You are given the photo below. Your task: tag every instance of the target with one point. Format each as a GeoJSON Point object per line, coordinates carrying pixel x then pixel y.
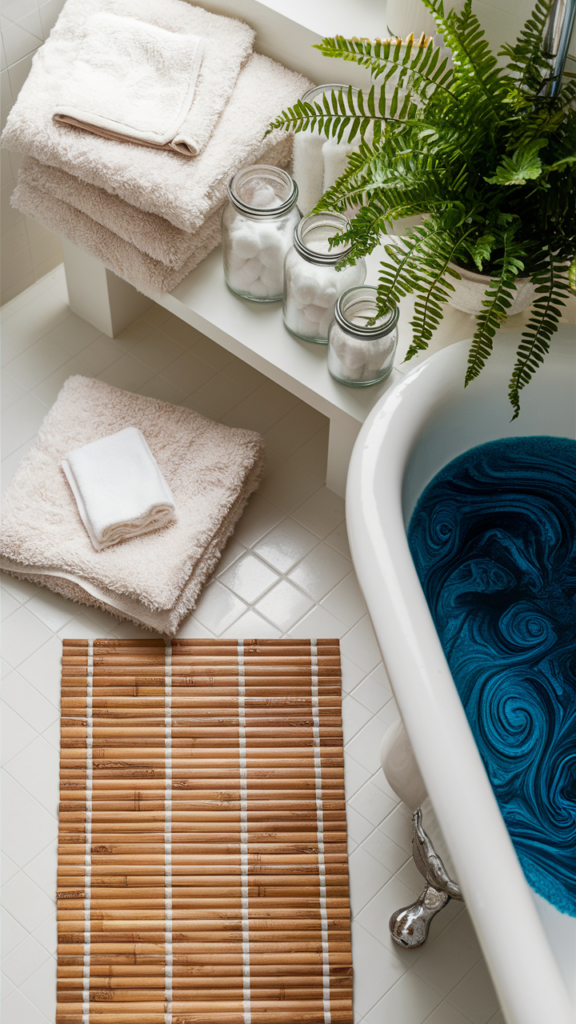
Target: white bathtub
{"type": "Point", "coordinates": [419, 425]}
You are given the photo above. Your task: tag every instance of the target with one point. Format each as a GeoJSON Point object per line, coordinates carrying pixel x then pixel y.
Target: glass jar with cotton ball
{"type": "Point", "coordinates": [312, 282]}
{"type": "Point", "coordinates": [257, 230]}
{"type": "Point", "coordinates": [361, 341]}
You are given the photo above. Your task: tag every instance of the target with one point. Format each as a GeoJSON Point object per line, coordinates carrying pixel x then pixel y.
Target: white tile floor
{"type": "Point", "coordinates": [287, 570]}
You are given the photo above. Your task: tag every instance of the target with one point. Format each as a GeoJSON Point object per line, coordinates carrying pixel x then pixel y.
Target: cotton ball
{"type": "Point", "coordinates": [244, 240]}
{"type": "Point", "coordinates": [234, 262]}
{"type": "Point", "coordinates": [259, 290]}
{"type": "Point", "coordinates": [329, 296]}
{"type": "Point", "coordinates": [272, 256]}
{"type": "Point", "coordinates": [306, 327]}
{"type": "Point", "coordinates": [243, 278]}
{"type": "Point", "coordinates": [325, 322]}
{"type": "Point", "coordinates": [264, 197]}
{"type": "Point", "coordinates": [314, 313]}
{"type": "Point", "coordinates": [305, 285]}
{"type": "Point", "coordinates": [268, 235]}
{"type": "Point", "coordinates": [252, 270]}
{"type": "Point", "coordinates": [297, 321]}
{"type": "Point", "coordinates": [273, 279]}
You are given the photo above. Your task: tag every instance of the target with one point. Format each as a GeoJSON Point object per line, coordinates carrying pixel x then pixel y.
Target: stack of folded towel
{"type": "Point", "coordinates": [135, 115]}
{"type": "Point", "coordinates": [192, 478]}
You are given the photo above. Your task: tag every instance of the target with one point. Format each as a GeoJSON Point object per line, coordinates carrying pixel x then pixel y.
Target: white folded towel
{"type": "Point", "coordinates": [118, 487]}
{"type": "Point", "coordinates": [133, 82]}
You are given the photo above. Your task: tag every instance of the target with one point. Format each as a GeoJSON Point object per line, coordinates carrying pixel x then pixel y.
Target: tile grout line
{"type": "Point", "coordinates": [168, 948]}
{"type": "Point", "coordinates": [244, 833]}
{"type": "Point", "coordinates": [88, 829]}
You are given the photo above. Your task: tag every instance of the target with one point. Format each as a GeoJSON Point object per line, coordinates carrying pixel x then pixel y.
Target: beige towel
{"type": "Point", "coordinates": [149, 276]}
{"type": "Point", "coordinates": [156, 579]}
{"type": "Point", "coordinates": [185, 192]}
{"type": "Point", "coordinates": [133, 82]}
{"type": "Point", "coordinates": [151, 236]}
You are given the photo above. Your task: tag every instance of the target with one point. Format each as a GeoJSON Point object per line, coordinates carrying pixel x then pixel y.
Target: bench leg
{"type": "Point", "coordinates": [341, 440]}
{"type": "Point", "coordinates": [98, 295]}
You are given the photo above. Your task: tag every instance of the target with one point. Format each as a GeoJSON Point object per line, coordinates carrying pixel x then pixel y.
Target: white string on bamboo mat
{"type": "Point", "coordinates": [244, 832]}
{"type": "Point", "coordinates": [88, 833]}
{"type": "Point", "coordinates": [320, 832]}
{"type": "Point", "coordinates": [168, 949]}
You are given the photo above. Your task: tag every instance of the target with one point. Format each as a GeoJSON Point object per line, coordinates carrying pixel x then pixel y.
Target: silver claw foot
{"type": "Point", "coordinates": [409, 926]}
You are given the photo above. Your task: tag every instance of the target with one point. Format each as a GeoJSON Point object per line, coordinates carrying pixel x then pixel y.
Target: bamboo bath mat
{"type": "Point", "coordinates": [202, 868]}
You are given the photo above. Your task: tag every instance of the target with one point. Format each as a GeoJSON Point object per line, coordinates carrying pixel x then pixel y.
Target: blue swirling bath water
{"type": "Point", "coordinates": [493, 538]}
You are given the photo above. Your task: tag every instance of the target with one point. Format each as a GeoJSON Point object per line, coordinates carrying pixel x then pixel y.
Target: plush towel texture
{"type": "Point", "coordinates": [227, 44]}
{"type": "Point", "coordinates": [146, 250]}
{"type": "Point", "coordinates": [156, 579]}
{"type": "Point", "coordinates": [118, 487]}
{"type": "Point", "coordinates": [185, 192]}
{"type": "Point", "coordinates": [133, 81]}
{"type": "Point", "coordinates": [149, 276]}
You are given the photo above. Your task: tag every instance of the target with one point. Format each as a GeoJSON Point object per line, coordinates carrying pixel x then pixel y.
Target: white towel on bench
{"type": "Point", "coordinates": [133, 82]}
{"type": "Point", "coordinates": [118, 487]}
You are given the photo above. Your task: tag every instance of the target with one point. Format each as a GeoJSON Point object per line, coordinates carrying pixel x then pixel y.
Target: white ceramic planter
{"type": "Point", "coordinates": [470, 291]}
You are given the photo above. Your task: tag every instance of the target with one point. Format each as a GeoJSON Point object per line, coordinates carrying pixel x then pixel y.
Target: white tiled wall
{"type": "Point", "coordinates": [27, 250]}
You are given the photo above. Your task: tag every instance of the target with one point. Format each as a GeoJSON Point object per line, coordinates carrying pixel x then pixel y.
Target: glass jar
{"type": "Point", "coordinates": [257, 229]}
{"type": "Point", "coordinates": [360, 353]}
{"type": "Point", "coordinates": [319, 161]}
{"type": "Point", "coordinates": [311, 281]}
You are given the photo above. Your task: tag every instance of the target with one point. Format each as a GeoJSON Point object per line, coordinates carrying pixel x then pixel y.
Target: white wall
{"type": "Point", "coordinates": [27, 250]}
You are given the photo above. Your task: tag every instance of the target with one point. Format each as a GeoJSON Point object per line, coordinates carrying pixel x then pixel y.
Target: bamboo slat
{"type": "Point", "coordinates": [202, 865]}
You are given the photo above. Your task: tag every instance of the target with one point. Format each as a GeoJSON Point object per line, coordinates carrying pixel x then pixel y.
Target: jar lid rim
{"type": "Point", "coordinates": [375, 330]}
{"type": "Point", "coordinates": [321, 259]}
{"type": "Point", "coordinates": [266, 211]}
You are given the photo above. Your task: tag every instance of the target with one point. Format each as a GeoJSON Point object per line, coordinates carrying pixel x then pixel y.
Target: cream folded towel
{"type": "Point", "coordinates": [185, 192]}
{"type": "Point", "coordinates": [119, 489]}
{"type": "Point", "coordinates": [146, 249]}
{"type": "Point", "coordinates": [133, 82]}
{"type": "Point", "coordinates": [156, 579]}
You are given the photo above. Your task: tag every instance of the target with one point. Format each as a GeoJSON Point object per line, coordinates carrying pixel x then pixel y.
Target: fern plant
{"type": "Point", "coordinates": [474, 147]}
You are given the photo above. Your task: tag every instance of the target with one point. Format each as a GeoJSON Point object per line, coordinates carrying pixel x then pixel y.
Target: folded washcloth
{"type": "Point", "coordinates": [119, 489]}
{"type": "Point", "coordinates": [156, 579]}
{"type": "Point", "coordinates": [133, 82]}
{"type": "Point", "coordinates": [185, 192]}
{"type": "Point", "coordinates": [227, 45]}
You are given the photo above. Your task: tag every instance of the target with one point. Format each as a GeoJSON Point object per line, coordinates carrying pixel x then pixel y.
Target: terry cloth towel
{"type": "Point", "coordinates": [151, 253]}
{"type": "Point", "coordinates": [119, 489]}
{"type": "Point", "coordinates": [156, 579]}
{"type": "Point", "coordinates": [185, 192]}
{"type": "Point", "coordinates": [133, 82]}
{"type": "Point", "coordinates": [144, 249]}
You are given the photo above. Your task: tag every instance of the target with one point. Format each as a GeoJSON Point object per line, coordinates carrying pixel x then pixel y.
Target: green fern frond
{"type": "Point", "coordinates": [522, 166]}
{"type": "Point", "coordinates": [495, 306]}
{"type": "Point", "coordinates": [552, 286]}
{"type": "Point", "coordinates": [421, 66]}
{"type": "Point", "coordinates": [525, 56]}
{"type": "Point", "coordinates": [438, 250]}
{"type": "Point", "coordinates": [474, 63]}
{"type": "Point", "coordinates": [337, 110]}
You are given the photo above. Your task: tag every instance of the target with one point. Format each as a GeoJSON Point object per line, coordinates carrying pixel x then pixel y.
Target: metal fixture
{"type": "Point", "coordinates": [409, 926]}
{"type": "Point", "coordinates": [555, 43]}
